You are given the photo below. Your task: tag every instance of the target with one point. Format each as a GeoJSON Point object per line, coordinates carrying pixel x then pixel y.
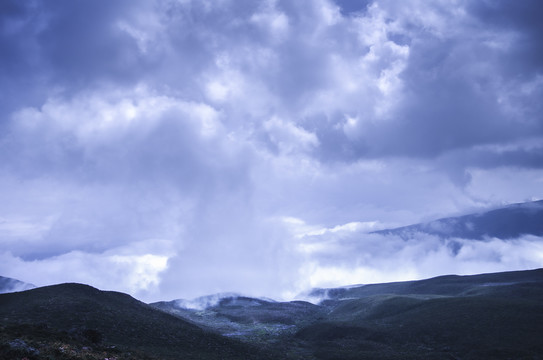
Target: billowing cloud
{"type": "Point", "coordinates": [355, 257]}
{"type": "Point", "coordinates": [115, 269]}
{"type": "Point", "coordinates": [211, 146]}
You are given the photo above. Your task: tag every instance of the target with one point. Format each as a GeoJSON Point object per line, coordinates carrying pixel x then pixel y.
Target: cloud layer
{"type": "Point", "coordinates": [178, 148]}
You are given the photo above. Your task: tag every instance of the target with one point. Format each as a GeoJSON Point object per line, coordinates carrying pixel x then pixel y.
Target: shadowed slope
{"type": "Point", "coordinates": [448, 285]}
{"type": "Point", "coordinates": [245, 317]}
{"type": "Point", "coordinates": [498, 316]}
{"type": "Point", "coordinates": [80, 312]}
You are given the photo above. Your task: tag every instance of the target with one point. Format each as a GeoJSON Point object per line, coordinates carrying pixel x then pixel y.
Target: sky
{"type": "Point", "coordinates": [176, 148]}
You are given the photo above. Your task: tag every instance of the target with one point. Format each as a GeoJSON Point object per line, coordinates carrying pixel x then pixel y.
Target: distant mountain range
{"type": "Point", "coordinates": [11, 285]}
{"type": "Point", "coordinates": [508, 222]}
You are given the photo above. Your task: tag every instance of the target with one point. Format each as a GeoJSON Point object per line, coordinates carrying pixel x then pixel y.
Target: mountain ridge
{"type": "Point", "coordinates": [79, 313]}
{"type": "Point", "coordinates": [492, 315]}
{"type": "Point", "coordinates": [8, 285]}
{"type": "Point", "coordinates": [455, 285]}
{"type": "Point", "coordinates": [495, 315]}
{"type": "Point", "coordinates": [507, 222]}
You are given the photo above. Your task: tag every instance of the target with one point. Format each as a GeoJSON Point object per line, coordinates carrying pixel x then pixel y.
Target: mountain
{"type": "Point", "coordinates": [75, 321]}
{"type": "Point", "coordinates": [508, 222]}
{"type": "Point", "coordinates": [8, 285]}
{"type": "Point", "coordinates": [498, 316]}
{"type": "Point", "coordinates": [486, 316]}
{"type": "Point", "coordinates": [448, 285]}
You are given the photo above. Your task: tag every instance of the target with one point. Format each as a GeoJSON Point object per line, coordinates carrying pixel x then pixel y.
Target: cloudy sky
{"type": "Point", "coordinates": [176, 148]}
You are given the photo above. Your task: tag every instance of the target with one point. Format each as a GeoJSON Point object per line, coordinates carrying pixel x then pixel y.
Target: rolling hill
{"type": "Point", "coordinates": [494, 316]}
{"type": "Point", "coordinates": [498, 316]}
{"type": "Point", "coordinates": [246, 318]}
{"type": "Point", "coordinates": [74, 321]}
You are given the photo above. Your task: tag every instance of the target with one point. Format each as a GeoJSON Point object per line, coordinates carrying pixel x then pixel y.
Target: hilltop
{"type": "Point", "coordinates": [498, 316]}
{"type": "Point", "coordinates": [75, 321]}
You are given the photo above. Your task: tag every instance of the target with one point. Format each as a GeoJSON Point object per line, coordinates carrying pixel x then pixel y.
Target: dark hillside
{"type": "Point", "coordinates": [250, 319]}
{"type": "Point", "coordinates": [488, 316]}
{"type": "Point", "coordinates": [478, 327]}
{"type": "Point", "coordinates": [449, 285]}
{"type": "Point", "coordinates": [86, 317]}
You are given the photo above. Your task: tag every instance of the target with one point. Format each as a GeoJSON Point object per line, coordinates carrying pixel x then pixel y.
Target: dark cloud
{"type": "Point", "coordinates": [82, 42]}
{"type": "Point", "coordinates": [459, 88]}
{"type": "Point", "coordinates": [192, 146]}
{"type": "Point", "coordinates": [530, 157]}
{"type": "Point", "coordinates": [442, 114]}
{"type": "Point", "coordinates": [523, 20]}
{"type": "Point", "coordinates": [352, 7]}
{"type": "Point", "coordinates": [20, 64]}
{"type": "Point", "coordinates": [14, 21]}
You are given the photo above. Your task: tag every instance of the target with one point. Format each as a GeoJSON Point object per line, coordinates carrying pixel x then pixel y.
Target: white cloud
{"type": "Point", "coordinates": [365, 259]}
{"type": "Point", "coordinates": [262, 140]}
{"type": "Point", "coordinates": [276, 22]}
{"type": "Point", "coordinates": [490, 184]}
{"type": "Point", "coordinates": [288, 137]}
{"type": "Point", "coordinates": [110, 116]}
{"type": "Point", "coordinates": [16, 228]}
{"type": "Point", "coordinates": [137, 274]}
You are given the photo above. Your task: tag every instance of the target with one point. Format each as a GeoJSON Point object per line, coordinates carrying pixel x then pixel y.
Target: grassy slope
{"type": "Point", "coordinates": [448, 285]}
{"type": "Point", "coordinates": [270, 325]}
{"type": "Point", "coordinates": [77, 314]}
{"type": "Point", "coordinates": [498, 316]}
{"type": "Point", "coordinates": [230, 313]}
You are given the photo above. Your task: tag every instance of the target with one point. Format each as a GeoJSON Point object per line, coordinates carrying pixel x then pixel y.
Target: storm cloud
{"type": "Point", "coordinates": [178, 148]}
